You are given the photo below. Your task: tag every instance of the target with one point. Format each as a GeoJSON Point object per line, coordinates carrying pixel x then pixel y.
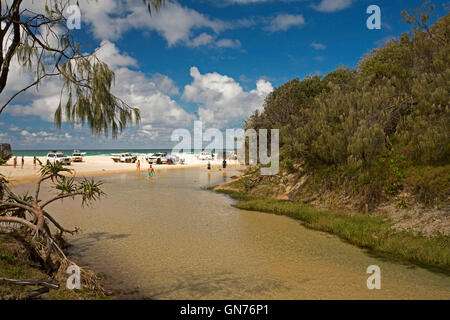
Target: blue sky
{"type": "Point", "coordinates": [213, 61]}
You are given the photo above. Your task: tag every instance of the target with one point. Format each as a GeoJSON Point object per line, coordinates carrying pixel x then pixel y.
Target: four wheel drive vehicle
{"type": "Point", "coordinates": [206, 156]}
{"type": "Point", "coordinates": [124, 157]}
{"type": "Point", "coordinates": [5, 152]}
{"type": "Point", "coordinates": [58, 157]}
{"type": "Point", "coordinates": [157, 158]}
{"type": "Point", "coordinates": [77, 156]}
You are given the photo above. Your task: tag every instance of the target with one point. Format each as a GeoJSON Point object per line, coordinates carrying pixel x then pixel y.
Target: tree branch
{"type": "Point", "coordinates": [16, 205]}
{"type": "Point", "coordinates": [11, 50]}
{"type": "Point", "coordinates": [25, 89]}
{"type": "Point", "coordinates": [57, 225]}
{"type": "Point", "coordinates": [31, 282]}
{"type": "Point", "coordinates": [20, 221]}
{"type": "Point", "coordinates": [38, 187]}
{"type": "Point", "coordinates": [68, 195]}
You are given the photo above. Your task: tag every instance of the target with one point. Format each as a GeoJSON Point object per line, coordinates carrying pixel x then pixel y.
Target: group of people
{"type": "Point", "coordinates": [224, 165]}
{"type": "Point", "coordinates": [23, 162]}
{"type": "Point", "coordinates": [15, 162]}
{"type": "Point", "coordinates": [150, 170]}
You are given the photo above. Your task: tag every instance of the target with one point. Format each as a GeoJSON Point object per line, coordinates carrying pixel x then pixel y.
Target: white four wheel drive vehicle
{"type": "Point", "coordinates": [124, 157]}
{"type": "Point", "coordinates": [157, 158]}
{"type": "Point", "coordinates": [58, 157]}
{"type": "Point", "coordinates": [77, 156]}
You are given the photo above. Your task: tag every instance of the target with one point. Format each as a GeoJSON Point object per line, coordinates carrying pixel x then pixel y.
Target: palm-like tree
{"type": "Point", "coordinates": [30, 211]}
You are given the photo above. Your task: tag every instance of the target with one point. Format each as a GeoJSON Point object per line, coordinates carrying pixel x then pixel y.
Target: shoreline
{"type": "Point", "coordinates": [373, 233]}
{"type": "Point", "coordinates": [96, 166]}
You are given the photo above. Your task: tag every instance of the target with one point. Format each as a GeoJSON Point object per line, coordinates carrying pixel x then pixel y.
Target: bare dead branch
{"type": "Point", "coordinates": [24, 222]}
{"type": "Point", "coordinates": [31, 282]}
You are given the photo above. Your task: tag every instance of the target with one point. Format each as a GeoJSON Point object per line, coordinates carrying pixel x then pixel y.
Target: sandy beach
{"type": "Point", "coordinates": [97, 166]}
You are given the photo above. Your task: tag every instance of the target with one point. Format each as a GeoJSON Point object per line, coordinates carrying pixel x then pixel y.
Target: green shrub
{"type": "Point", "coordinates": [431, 185]}
{"type": "Point", "coordinates": [369, 124]}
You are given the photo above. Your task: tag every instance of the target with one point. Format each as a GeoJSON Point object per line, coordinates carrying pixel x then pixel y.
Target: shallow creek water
{"type": "Point", "coordinates": [172, 239]}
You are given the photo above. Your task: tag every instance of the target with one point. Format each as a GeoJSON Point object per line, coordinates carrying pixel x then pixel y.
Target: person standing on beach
{"type": "Point", "coordinates": [34, 162]}
{"type": "Point", "coordinates": [15, 162]}
{"type": "Point", "coordinates": [138, 165]}
{"type": "Point", "coordinates": [209, 166]}
{"type": "Point", "coordinates": [151, 171]}
{"type": "Point", "coordinates": [23, 161]}
{"type": "Point", "coordinates": [224, 164]}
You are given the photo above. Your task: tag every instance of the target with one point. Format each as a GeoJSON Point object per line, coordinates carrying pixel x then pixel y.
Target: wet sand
{"type": "Point", "coordinates": [174, 240]}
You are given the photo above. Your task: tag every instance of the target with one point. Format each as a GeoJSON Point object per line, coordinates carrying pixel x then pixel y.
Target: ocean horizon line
{"type": "Point", "coordinates": [99, 152]}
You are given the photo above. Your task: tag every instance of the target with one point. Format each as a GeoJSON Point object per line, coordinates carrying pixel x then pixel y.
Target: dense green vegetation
{"type": "Point", "coordinates": [374, 233]}
{"type": "Point", "coordinates": [377, 130]}
{"type": "Point", "coordinates": [376, 134]}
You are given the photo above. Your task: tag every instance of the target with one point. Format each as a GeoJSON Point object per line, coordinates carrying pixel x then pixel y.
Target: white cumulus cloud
{"type": "Point", "coordinates": [221, 99]}
{"type": "Point", "coordinates": [285, 21]}
{"type": "Point", "coordinates": [177, 24]}
{"type": "Point", "coordinates": [332, 5]}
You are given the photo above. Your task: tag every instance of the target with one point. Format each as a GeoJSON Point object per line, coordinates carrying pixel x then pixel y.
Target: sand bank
{"type": "Point", "coordinates": [95, 166]}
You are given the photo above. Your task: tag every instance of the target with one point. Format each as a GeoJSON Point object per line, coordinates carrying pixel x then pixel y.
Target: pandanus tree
{"type": "Point", "coordinates": [29, 213]}
{"type": "Point", "coordinates": [36, 36]}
